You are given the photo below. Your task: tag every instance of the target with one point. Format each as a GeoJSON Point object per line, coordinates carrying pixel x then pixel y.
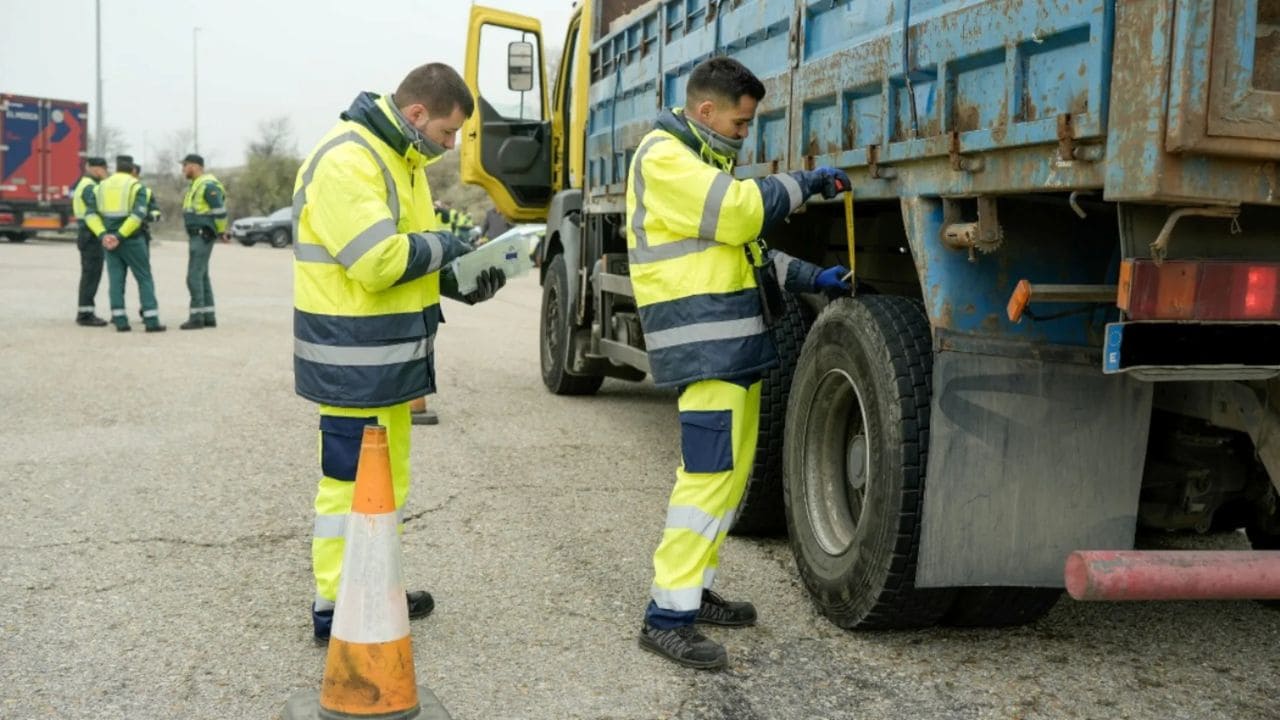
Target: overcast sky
{"type": "Point", "coordinates": [257, 59]}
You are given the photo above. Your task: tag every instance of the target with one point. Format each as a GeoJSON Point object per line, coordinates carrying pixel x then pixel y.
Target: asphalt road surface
{"type": "Point", "coordinates": [156, 514]}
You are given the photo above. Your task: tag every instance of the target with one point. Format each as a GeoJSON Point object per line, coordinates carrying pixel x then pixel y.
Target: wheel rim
{"type": "Point", "coordinates": [837, 462]}
{"type": "Point", "coordinates": [551, 320]}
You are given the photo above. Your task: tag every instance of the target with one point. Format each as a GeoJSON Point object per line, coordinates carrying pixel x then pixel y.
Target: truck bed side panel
{"type": "Point", "coordinates": [987, 75]}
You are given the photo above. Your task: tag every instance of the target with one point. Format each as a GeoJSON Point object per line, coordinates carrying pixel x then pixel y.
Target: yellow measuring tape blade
{"type": "Point", "coordinates": [848, 230]}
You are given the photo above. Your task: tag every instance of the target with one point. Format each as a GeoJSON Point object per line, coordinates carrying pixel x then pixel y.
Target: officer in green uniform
{"type": "Point", "coordinates": [204, 210]}
{"type": "Point", "coordinates": [116, 221]}
{"type": "Point", "coordinates": [153, 210]}
{"type": "Point", "coordinates": [82, 201]}
{"type": "Point", "coordinates": [153, 214]}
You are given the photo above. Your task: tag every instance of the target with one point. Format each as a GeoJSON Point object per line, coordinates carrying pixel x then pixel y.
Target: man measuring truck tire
{"type": "Point", "coordinates": [707, 289]}
{"type": "Point", "coordinates": [367, 284]}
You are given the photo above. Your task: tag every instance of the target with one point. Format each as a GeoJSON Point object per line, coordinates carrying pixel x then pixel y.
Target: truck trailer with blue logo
{"type": "Point", "coordinates": [42, 146]}
{"type": "Point", "coordinates": [1066, 242]}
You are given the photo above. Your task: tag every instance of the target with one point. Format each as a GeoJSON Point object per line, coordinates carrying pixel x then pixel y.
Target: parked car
{"type": "Point", "coordinates": [276, 228]}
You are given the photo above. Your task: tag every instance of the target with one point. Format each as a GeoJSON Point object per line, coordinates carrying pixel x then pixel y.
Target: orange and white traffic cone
{"type": "Point", "coordinates": [369, 670]}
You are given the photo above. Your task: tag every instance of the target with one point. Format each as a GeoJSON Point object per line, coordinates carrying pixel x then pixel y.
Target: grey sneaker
{"type": "Point", "coordinates": [715, 610]}
{"type": "Point", "coordinates": [684, 645]}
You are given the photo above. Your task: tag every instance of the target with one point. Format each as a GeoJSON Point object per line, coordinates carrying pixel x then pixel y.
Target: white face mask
{"type": "Point", "coordinates": [417, 139]}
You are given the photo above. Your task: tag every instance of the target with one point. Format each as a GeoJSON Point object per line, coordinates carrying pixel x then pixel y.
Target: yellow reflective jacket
{"type": "Point", "coordinates": [366, 264]}
{"type": "Point", "coordinates": [121, 206]}
{"type": "Point", "coordinates": [692, 241]}
{"type": "Point", "coordinates": [82, 198]}
{"type": "Point", "coordinates": [205, 204]}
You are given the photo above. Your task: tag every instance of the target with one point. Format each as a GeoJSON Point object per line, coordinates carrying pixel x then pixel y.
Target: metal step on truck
{"type": "Point", "coordinates": [1066, 241]}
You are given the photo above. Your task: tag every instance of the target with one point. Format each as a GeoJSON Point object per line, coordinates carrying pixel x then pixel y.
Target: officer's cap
{"type": "Point", "coordinates": [96, 161]}
{"type": "Point", "coordinates": [193, 158]}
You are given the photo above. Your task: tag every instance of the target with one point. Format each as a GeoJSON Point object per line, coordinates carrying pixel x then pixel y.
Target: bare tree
{"type": "Point", "coordinates": [111, 143]}
{"type": "Point", "coordinates": [275, 137]}
{"type": "Point", "coordinates": [266, 182]}
{"type": "Point", "coordinates": [168, 157]}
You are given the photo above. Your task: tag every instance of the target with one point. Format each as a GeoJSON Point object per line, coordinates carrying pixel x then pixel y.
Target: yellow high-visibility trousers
{"type": "Point", "coordinates": [341, 431]}
{"type": "Point", "coordinates": [719, 421]}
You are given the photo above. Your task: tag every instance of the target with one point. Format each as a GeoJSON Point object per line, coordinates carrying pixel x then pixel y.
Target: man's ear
{"type": "Point", "coordinates": [415, 113]}
{"type": "Point", "coordinates": [705, 109]}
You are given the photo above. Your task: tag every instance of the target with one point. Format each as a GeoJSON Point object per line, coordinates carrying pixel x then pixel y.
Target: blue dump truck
{"type": "Point", "coordinates": [1066, 239]}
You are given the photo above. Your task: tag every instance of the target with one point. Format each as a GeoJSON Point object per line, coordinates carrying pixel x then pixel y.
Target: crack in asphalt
{"type": "Point", "coordinates": [258, 540]}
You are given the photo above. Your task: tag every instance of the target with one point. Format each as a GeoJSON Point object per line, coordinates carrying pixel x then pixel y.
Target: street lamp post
{"type": "Point", "coordinates": [97, 132]}
{"type": "Point", "coordinates": [195, 89]}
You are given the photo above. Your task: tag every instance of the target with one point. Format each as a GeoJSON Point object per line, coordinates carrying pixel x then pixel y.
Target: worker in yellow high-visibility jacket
{"type": "Point", "coordinates": [121, 208]}
{"type": "Point", "coordinates": [706, 288]}
{"type": "Point", "coordinates": [368, 255]}
{"type": "Point", "coordinates": [84, 201]}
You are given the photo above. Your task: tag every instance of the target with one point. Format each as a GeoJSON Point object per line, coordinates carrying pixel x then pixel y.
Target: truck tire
{"type": "Point", "coordinates": [248, 240]}
{"type": "Point", "coordinates": [279, 238]}
{"type": "Point", "coordinates": [554, 335]}
{"type": "Point", "coordinates": [17, 237]}
{"type": "Point", "coordinates": [760, 512]}
{"type": "Point", "coordinates": [1000, 606]}
{"type": "Point", "coordinates": [855, 457]}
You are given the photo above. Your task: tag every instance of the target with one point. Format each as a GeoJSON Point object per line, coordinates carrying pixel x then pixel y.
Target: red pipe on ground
{"type": "Point", "coordinates": [1173, 575]}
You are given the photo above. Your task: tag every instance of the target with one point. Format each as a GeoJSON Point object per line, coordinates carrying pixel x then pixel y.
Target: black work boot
{"type": "Point", "coordinates": [715, 610]}
{"type": "Point", "coordinates": [195, 323]}
{"type": "Point", "coordinates": [684, 645]}
{"type": "Point", "coordinates": [90, 320]}
{"type": "Point", "coordinates": [157, 328]}
{"type": "Point", "coordinates": [420, 603]}
{"type": "Point", "coordinates": [426, 417]}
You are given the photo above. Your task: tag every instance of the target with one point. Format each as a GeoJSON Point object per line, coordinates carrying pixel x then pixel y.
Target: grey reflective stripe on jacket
{"type": "Point", "coordinates": [363, 356]}
{"type": "Point", "coordinates": [366, 239]}
{"type": "Point", "coordinates": [705, 332]}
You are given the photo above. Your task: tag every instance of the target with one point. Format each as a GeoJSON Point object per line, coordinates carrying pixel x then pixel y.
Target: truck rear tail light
{"type": "Point", "coordinates": [7, 218]}
{"type": "Point", "coordinates": [1218, 290]}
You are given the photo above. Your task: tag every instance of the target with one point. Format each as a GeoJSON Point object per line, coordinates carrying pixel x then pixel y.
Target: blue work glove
{"type": "Point", "coordinates": [831, 281]}
{"type": "Point", "coordinates": [828, 182]}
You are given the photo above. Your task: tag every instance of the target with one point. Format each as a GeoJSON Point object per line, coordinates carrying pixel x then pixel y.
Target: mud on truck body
{"type": "Point", "coordinates": [1067, 317]}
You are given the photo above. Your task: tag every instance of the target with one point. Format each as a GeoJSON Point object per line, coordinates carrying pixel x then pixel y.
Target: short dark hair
{"type": "Point", "coordinates": [723, 78]}
{"type": "Point", "coordinates": [437, 86]}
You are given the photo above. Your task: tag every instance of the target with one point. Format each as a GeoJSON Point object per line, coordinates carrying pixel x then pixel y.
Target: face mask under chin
{"type": "Point", "coordinates": [420, 142]}
{"type": "Point", "coordinates": [719, 144]}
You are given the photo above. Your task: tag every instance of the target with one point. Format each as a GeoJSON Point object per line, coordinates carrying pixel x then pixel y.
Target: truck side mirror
{"type": "Point", "coordinates": [520, 66]}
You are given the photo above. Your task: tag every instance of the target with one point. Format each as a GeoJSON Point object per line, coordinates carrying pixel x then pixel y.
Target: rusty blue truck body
{"type": "Point", "coordinates": [1050, 146]}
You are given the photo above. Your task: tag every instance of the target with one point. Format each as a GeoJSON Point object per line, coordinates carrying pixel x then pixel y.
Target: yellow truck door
{"type": "Point", "coordinates": [507, 143]}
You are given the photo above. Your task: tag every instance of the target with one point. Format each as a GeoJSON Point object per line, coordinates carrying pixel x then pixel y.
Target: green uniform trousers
{"type": "Point", "coordinates": [198, 251]}
{"type": "Point", "coordinates": [131, 255]}
{"type": "Point", "coordinates": [341, 431]}
{"type": "Point", "coordinates": [719, 421]}
{"type": "Point", "coordinates": [91, 260]}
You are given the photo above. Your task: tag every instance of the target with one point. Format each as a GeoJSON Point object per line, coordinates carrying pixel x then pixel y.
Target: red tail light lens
{"type": "Point", "coordinates": [1206, 291]}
